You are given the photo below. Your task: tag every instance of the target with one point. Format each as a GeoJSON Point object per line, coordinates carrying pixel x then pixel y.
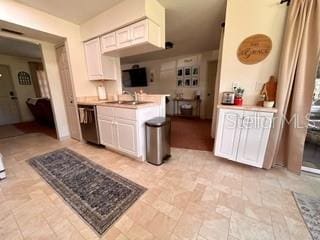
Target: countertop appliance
{"type": "Point", "coordinates": [89, 123]}
{"type": "Point", "coordinates": [228, 98]}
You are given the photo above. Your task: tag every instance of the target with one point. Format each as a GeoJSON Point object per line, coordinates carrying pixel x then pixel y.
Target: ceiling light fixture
{"type": "Point", "coordinates": [169, 45]}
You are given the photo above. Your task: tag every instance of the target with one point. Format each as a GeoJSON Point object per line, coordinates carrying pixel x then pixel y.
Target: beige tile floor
{"type": "Point", "coordinates": [193, 196]}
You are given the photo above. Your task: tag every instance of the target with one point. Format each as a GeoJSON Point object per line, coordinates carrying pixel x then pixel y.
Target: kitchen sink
{"type": "Point", "coordinates": [128, 102]}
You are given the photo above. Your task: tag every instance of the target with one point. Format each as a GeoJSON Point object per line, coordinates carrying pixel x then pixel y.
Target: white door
{"type": "Point", "coordinates": [9, 111]}
{"type": "Point", "coordinates": [68, 93]}
{"type": "Point", "coordinates": [93, 59]}
{"type": "Point", "coordinates": [139, 32]}
{"type": "Point", "coordinates": [254, 138]}
{"type": "Point", "coordinates": [228, 133]}
{"type": "Point", "coordinates": [108, 42]}
{"type": "Point", "coordinates": [124, 37]}
{"type": "Point", "coordinates": [126, 131]}
{"type": "Point", "coordinates": [107, 132]}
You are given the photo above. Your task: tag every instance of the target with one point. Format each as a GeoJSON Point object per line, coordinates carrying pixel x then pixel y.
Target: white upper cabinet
{"type": "Point", "coordinates": [139, 32]}
{"type": "Point", "coordinates": [109, 42]}
{"type": "Point", "coordinates": [99, 67]}
{"type": "Point", "coordinates": [141, 37]}
{"type": "Point", "coordinates": [242, 136]}
{"type": "Point", "coordinates": [124, 37]}
{"type": "Point", "coordinates": [93, 59]}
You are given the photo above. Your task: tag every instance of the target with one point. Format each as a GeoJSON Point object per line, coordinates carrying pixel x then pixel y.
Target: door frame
{"type": "Point", "coordinates": [14, 88]}
{"type": "Point", "coordinates": [212, 90]}
{"type": "Point", "coordinates": [71, 83]}
{"type": "Point", "coordinates": [39, 43]}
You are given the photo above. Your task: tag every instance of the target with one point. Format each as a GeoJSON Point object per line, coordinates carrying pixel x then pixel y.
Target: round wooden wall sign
{"type": "Point", "coordinates": [254, 49]}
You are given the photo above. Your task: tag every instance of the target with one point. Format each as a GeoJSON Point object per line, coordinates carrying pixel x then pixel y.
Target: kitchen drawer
{"type": "Point", "coordinates": [125, 113]}
{"type": "Point", "coordinates": [105, 111]}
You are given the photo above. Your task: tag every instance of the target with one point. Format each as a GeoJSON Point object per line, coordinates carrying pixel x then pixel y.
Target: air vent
{"type": "Point", "coordinates": [11, 31]}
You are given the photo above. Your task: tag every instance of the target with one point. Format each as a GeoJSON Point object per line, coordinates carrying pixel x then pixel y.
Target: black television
{"type": "Point", "coordinates": [135, 77]}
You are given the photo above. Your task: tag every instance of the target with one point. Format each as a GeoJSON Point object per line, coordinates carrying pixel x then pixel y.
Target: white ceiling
{"type": "Point", "coordinates": [192, 25]}
{"type": "Point", "coordinates": [19, 48]}
{"type": "Point", "coordinates": [76, 11]}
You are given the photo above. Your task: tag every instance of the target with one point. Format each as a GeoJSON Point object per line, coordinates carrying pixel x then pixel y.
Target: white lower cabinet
{"type": "Point", "coordinates": [126, 132]}
{"type": "Point", "coordinates": [242, 136]}
{"type": "Point", "coordinates": [123, 129]}
{"type": "Point", "coordinates": [107, 133]}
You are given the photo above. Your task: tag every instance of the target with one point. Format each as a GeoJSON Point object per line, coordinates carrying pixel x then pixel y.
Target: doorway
{"type": "Point", "coordinates": [195, 133]}
{"type": "Point", "coordinates": [9, 108]}
{"type": "Point", "coordinates": [311, 156]}
{"type": "Point", "coordinates": [25, 102]}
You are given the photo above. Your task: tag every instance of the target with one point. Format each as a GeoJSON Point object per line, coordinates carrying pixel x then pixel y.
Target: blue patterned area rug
{"type": "Point", "coordinates": [310, 210]}
{"type": "Point", "coordinates": [99, 195]}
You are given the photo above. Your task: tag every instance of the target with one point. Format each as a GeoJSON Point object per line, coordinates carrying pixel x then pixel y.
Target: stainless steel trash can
{"type": "Point", "coordinates": [158, 140]}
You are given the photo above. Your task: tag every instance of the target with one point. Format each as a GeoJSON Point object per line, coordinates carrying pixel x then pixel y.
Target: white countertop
{"type": "Point", "coordinates": [110, 103]}
{"type": "Point", "coordinates": [249, 108]}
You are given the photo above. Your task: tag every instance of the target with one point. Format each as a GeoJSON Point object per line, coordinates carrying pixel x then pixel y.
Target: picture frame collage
{"type": "Point", "coordinates": [188, 76]}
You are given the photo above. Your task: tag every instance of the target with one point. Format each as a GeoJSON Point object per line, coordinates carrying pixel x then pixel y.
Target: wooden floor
{"type": "Point", "coordinates": [34, 127]}
{"type": "Point", "coordinates": [191, 133]}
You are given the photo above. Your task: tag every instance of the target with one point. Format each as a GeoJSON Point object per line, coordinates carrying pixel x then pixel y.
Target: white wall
{"type": "Point", "coordinates": [165, 78]}
{"type": "Point", "coordinates": [23, 92]}
{"type": "Point", "coordinates": [245, 18]}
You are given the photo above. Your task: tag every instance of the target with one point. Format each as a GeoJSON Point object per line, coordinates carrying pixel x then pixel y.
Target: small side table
{"type": "Point", "coordinates": [176, 105]}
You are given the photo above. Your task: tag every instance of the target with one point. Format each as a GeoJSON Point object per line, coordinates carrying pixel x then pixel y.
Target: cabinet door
{"type": "Point", "coordinates": [124, 37]}
{"type": "Point", "coordinates": [107, 134]}
{"type": "Point", "coordinates": [228, 133]}
{"type": "Point", "coordinates": [108, 42]}
{"type": "Point", "coordinates": [254, 138]}
{"type": "Point", "coordinates": [126, 131]}
{"type": "Point", "coordinates": [109, 67]}
{"type": "Point", "coordinates": [93, 59]}
{"type": "Point", "coordinates": [139, 32]}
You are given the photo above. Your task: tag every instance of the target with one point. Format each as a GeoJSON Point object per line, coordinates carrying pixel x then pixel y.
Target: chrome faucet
{"type": "Point", "coordinates": [133, 95]}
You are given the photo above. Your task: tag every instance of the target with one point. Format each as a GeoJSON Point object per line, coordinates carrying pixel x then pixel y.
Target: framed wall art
{"type": "Point", "coordinates": [179, 72]}
{"type": "Point", "coordinates": [188, 76]}
{"type": "Point", "coordinates": [187, 72]}
{"type": "Point", "coordinates": [195, 71]}
{"type": "Point", "coordinates": [187, 82]}
{"type": "Point", "coordinates": [180, 82]}
{"type": "Point", "coordinates": [195, 82]}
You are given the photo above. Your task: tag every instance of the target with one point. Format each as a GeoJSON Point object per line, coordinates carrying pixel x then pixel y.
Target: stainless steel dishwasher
{"type": "Point", "coordinates": [89, 123]}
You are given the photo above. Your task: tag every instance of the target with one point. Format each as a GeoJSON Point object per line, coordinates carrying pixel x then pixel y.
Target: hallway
{"type": "Point", "coordinates": [191, 133]}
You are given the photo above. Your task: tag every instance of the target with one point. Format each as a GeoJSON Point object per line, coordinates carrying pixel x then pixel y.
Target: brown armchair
{"type": "Point", "coordinates": [41, 110]}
